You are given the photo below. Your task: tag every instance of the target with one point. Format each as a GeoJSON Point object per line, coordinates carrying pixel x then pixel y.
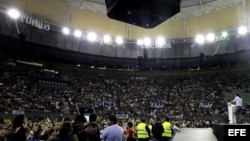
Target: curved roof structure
{"type": "Point", "coordinates": [188, 7]}
{"type": "Point", "coordinates": [183, 53]}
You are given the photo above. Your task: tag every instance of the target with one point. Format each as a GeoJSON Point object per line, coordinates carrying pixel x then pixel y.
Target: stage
{"type": "Point", "coordinates": [219, 132]}
{"type": "Point", "coordinates": [195, 134]}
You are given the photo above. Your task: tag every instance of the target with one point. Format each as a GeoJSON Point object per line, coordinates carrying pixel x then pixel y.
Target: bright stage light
{"type": "Point", "coordinates": [107, 39]}
{"type": "Point", "coordinates": [224, 34]}
{"type": "Point", "coordinates": [242, 30]}
{"type": "Point", "coordinates": [200, 39]}
{"type": "Point", "coordinates": [210, 37]}
{"type": "Point", "coordinates": [160, 41]}
{"type": "Point", "coordinates": [139, 42]}
{"type": "Point", "coordinates": [14, 13]}
{"type": "Point", "coordinates": [146, 41]}
{"type": "Point", "coordinates": [78, 33]}
{"type": "Point", "coordinates": [92, 36]}
{"type": "Point", "coordinates": [119, 40]}
{"type": "Point", "coordinates": [65, 30]}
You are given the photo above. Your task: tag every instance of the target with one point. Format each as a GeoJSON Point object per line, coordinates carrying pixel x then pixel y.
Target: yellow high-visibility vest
{"type": "Point", "coordinates": [141, 131]}
{"type": "Point", "coordinates": [167, 129]}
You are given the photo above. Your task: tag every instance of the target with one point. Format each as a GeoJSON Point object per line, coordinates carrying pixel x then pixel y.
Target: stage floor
{"type": "Point", "coordinates": [195, 134]}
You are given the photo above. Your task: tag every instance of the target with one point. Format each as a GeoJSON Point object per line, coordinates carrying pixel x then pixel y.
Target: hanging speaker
{"type": "Point", "coordinates": [143, 13]}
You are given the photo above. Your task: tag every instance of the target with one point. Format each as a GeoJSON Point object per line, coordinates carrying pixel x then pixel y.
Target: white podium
{"type": "Point", "coordinates": [231, 109]}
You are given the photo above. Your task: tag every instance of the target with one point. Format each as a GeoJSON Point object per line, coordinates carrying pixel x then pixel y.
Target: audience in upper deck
{"type": "Point", "coordinates": [22, 88]}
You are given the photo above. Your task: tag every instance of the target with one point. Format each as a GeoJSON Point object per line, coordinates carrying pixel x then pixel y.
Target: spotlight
{"type": "Point", "coordinates": [139, 42]}
{"type": "Point", "coordinates": [92, 36]}
{"type": "Point", "coordinates": [78, 33]}
{"type": "Point", "coordinates": [107, 39]}
{"type": "Point", "coordinates": [242, 30]}
{"type": "Point", "coordinates": [14, 13]}
{"type": "Point", "coordinates": [224, 34]}
{"type": "Point", "coordinates": [119, 40]}
{"type": "Point", "coordinates": [146, 41]}
{"type": "Point", "coordinates": [65, 30]}
{"type": "Point", "coordinates": [160, 41]}
{"type": "Point", "coordinates": [200, 39]}
{"type": "Point", "coordinates": [210, 37]}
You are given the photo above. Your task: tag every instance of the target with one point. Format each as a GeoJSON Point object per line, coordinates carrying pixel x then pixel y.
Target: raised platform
{"type": "Point", "coordinates": [224, 132]}
{"type": "Point", "coordinates": [195, 134]}
{"type": "Point", "coordinates": [219, 132]}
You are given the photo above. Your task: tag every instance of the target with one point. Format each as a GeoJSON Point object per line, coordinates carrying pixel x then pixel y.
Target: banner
{"type": "Point", "coordinates": [122, 116]}
{"type": "Point", "coordinates": [18, 112]}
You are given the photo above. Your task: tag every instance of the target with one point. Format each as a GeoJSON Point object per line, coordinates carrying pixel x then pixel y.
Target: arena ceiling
{"type": "Point", "coordinates": [188, 7]}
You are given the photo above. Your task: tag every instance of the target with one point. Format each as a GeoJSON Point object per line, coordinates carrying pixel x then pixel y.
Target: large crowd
{"type": "Point", "coordinates": [188, 102]}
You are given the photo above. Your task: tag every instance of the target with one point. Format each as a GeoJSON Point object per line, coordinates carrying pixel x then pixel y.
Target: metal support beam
{"type": "Point", "coordinates": [202, 7]}
{"type": "Point", "coordinates": [83, 3]}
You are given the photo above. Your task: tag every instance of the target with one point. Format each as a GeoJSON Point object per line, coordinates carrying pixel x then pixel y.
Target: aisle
{"type": "Point", "coordinates": [195, 134]}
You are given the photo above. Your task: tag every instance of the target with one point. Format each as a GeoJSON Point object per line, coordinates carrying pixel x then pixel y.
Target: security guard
{"type": "Point", "coordinates": [168, 133]}
{"type": "Point", "coordinates": [142, 131]}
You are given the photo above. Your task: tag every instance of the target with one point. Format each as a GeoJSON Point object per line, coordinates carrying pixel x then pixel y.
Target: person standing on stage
{"type": "Point", "coordinates": [238, 111]}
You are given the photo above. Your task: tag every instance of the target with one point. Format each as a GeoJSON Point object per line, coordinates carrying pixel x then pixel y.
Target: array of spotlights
{"type": "Point", "coordinates": [160, 42]}
{"type": "Point", "coordinates": [93, 37]}
{"type": "Point", "coordinates": [146, 42]}
{"type": "Point", "coordinates": [211, 37]}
